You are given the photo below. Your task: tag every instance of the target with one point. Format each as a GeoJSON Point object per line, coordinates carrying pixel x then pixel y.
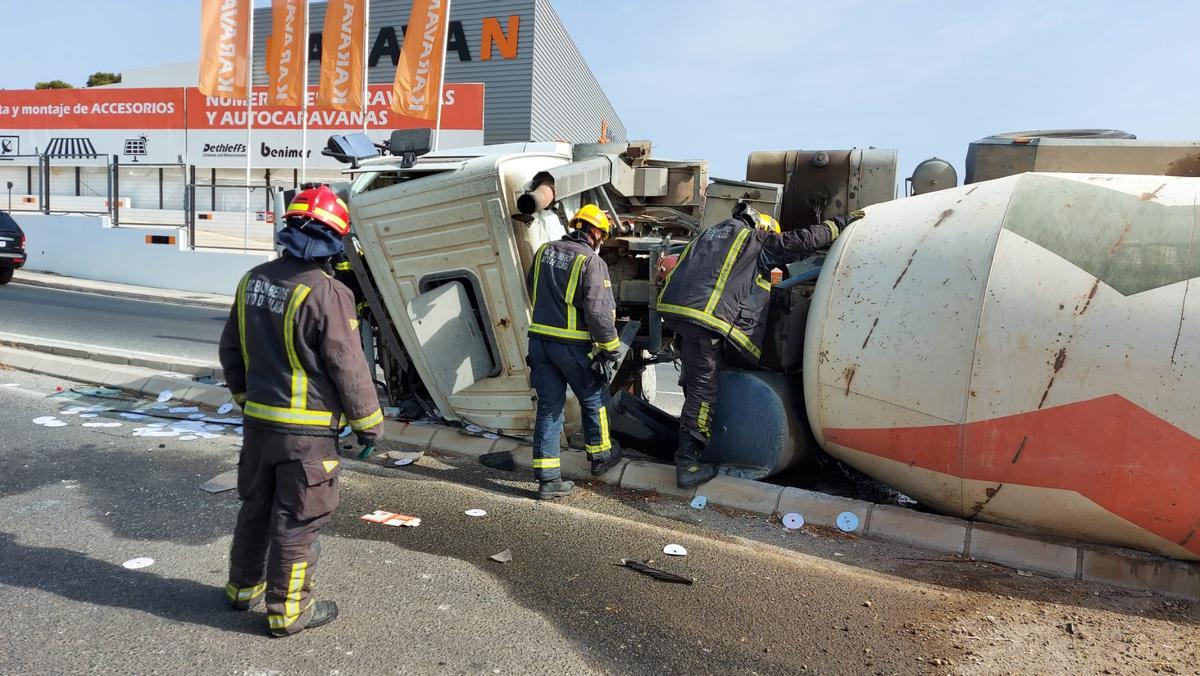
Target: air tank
{"type": "Point", "coordinates": [1021, 351]}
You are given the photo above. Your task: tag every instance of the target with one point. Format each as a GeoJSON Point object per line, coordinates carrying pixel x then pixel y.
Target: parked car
{"type": "Point", "coordinates": [12, 247]}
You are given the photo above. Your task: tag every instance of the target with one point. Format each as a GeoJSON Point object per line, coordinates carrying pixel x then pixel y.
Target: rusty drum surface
{"type": "Point", "coordinates": [1023, 351]}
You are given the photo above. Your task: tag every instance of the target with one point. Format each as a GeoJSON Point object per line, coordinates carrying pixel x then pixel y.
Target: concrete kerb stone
{"type": "Point", "coordinates": [1001, 545]}
{"type": "Point", "coordinates": [653, 476]}
{"type": "Point", "coordinates": [752, 496]}
{"type": "Point", "coordinates": [417, 436]}
{"type": "Point", "coordinates": [88, 372]}
{"type": "Point", "coordinates": [939, 533]}
{"type": "Point", "coordinates": [451, 440]}
{"type": "Point", "coordinates": [19, 359]}
{"type": "Point", "coordinates": [820, 509]}
{"type": "Point", "coordinates": [1136, 570]}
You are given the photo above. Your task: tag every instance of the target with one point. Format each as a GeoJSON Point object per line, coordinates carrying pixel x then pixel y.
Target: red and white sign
{"type": "Point", "coordinates": [170, 125]}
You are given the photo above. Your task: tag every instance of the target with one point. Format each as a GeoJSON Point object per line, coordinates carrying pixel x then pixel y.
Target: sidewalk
{"type": "Point", "coordinates": [53, 281]}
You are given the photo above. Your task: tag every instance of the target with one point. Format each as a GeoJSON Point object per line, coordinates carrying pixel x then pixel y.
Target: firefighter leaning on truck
{"type": "Point", "coordinates": [572, 341]}
{"type": "Point", "coordinates": [718, 293]}
{"type": "Point", "coordinates": [293, 360]}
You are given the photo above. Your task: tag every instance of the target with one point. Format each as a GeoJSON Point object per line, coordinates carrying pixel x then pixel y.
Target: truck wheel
{"type": "Point", "coordinates": [6, 275]}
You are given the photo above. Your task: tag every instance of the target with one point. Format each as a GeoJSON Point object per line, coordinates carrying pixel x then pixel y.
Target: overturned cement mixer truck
{"type": "Point", "coordinates": [1015, 350]}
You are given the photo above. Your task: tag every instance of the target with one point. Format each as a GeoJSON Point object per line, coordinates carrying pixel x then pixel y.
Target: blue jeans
{"type": "Point", "coordinates": [553, 366]}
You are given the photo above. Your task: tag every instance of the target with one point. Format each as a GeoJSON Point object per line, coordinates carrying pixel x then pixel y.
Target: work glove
{"type": "Point", "coordinates": [838, 224]}
{"type": "Point", "coordinates": [602, 365]}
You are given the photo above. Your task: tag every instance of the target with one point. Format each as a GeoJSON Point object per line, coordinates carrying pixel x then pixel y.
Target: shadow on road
{"type": "Point", "coordinates": [77, 577]}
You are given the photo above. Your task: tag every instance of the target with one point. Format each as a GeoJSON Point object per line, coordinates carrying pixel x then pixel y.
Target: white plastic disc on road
{"type": "Point", "coordinates": [475, 512]}
{"type": "Point", "coordinates": [699, 502]}
{"type": "Point", "coordinates": [197, 416]}
{"type": "Point", "coordinates": [9, 385]}
{"type": "Point", "coordinates": [345, 432]}
{"type": "Point", "coordinates": [224, 408]}
{"type": "Point", "coordinates": [402, 462]}
{"type": "Point", "coordinates": [189, 437]}
{"type": "Point", "coordinates": [165, 396]}
{"type": "Point", "coordinates": [89, 415]}
{"type": "Point", "coordinates": [102, 424]}
{"type": "Point", "coordinates": [184, 409]}
{"type": "Point", "coordinates": [54, 423]}
{"type": "Point", "coordinates": [675, 550]}
{"type": "Point", "coordinates": [847, 522]}
{"type": "Point", "coordinates": [140, 562]}
{"type": "Point", "coordinates": [490, 435]}
{"type": "Point", "coordinates": [134, 416]}
{"type": "Point", "coordinates": [474, 429]}
{"type": "Point", "coordinates": [792, 521]}
{"type": "Point", "coordinates": [214, 428]}
{"type": "Point", "coordinates": [43, 420]}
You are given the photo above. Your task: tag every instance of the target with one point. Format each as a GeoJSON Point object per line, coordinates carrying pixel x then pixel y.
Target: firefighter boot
{"type": "Point", "coordinates": [689, 471]}
{"type": "Point", "coordinates": [323, 612]}
{"type": "Point", "coordinates": [555, 488]}
{"type": "Point", "coordinates": [601, 466]}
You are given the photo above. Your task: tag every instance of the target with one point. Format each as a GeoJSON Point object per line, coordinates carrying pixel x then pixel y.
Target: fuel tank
{"type": "Point", "coordinates": [1021, 351]}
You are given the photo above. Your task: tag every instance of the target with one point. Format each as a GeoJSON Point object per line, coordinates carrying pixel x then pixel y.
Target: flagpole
{"type": "Point", "coordinates": [249, 120]}
{"type": "Point", "coordinates": [437, 125]}
{"type": "Point", "coordinates": [304, 101]}
{"type": "Point", "coordinates": [366, 78]}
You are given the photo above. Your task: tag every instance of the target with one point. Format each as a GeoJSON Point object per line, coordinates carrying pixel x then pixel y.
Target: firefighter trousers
{"type": "Point", "coordinates": [553, 366]}
{"type": "Point", "coordinates": [701, 351]}
{"type": "Point", "coordinates": [289, 488]}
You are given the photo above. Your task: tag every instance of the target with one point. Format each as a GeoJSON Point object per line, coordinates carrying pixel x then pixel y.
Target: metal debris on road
{"type": "Point", "coordinates": [847, 522]}
{"type": "Point", "coordinates": [475, 512]}
{"type": "Point", "coordinates": [391, 518]}
{"type": "Point", "coordinates": [675, 550]}
{"type": "Point", "coordinates": [503, 557]}
{"type": "Point", "coordinates": [165, 396]}
{"type": "Point", "coordinates": [793, 520]}
{"type": "Point", "coordinates": [699, 502]}
{"type": "Point", "coordinates": [224, 408]}
{"type": "Point", "coordinates": [654, 572]}
{"type": "Point", "coordinates": [140, 562]}
{"type": "Point", "coordinates": [222, 482]}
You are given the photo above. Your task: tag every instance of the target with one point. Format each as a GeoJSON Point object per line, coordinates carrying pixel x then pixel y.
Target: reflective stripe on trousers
{"type": "Point", "coordinates": [553, 367]}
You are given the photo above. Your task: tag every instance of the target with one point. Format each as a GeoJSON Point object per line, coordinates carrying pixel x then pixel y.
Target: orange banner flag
{"type": "Point", "coordinates": [285, 57]}
{"type": "Point", "coordinates": [225, 48]}
{"type": "Point", "coordinates": [418, 85]}
{"type": "Point", "coordinates": [342, 64]}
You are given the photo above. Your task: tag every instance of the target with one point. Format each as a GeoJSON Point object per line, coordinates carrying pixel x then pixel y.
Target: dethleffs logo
{"type": "Point", "coordinates": [223, 149]}
{"type": "Point", "coordinates": [496, 41]}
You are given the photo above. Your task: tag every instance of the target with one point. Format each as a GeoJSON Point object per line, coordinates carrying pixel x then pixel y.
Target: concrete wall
{"type": "Point", "coordinates": [88, 248]}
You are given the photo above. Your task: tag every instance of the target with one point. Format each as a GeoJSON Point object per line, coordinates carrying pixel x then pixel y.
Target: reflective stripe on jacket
{"type": "Point", "coordinates": [292, 354]}
{"type": "Point", "coordinates": [571, 294]}
{"type": "Point", "coordinates": [721, 279]}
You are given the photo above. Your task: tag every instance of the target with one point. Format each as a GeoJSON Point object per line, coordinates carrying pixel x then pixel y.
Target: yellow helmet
{"type": "Point", "coordinates": [594, 216]}
{"type": "Point", "coordinates": [768, 223]}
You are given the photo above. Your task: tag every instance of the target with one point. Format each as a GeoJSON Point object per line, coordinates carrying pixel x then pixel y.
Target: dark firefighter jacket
{"type": "Point", "coordinates": [571, 294]}
{"type": "Point", "coordinates": [292, 355]}
{"type": "Point", "coordinates": [721, 281]}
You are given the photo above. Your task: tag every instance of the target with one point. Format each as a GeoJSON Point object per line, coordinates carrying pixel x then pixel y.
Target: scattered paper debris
{"type": "Point", "coordinates": [224, 408]}
{"type": "Point", "coordinates": [214, 428]}
{"type": "Point", "coordinates": [699, 502]}
{"type": "Point", "coordinates": [197, 416]}
{"type": "Point", "coordinates": [675, 550]}
{"type": "Point", "coordinates": [391, 519]}
{"type": "Point", "coordinates": [183, 409]}
{"type": "Point", "coordinates": [160, 407]}
{"type": "Point", "coordinates": [101, 424]}
{"type": "Point", "coordinates": [222, 482]}
{"type": "Point", "coordinates": [89, 415]}
{"type": "Point", "coordinates": [140, 562]}
{"type": "Point", "coordinates": [475, 512]}
{"type": "Point", "coordinates": [165, 396]}
{"type": "Point", "coordinates": [503, 557]}
{"type": "Point", "coordinates": [793, 520]}
{"type": "Point", "coordinates": [655, 573]}
{"type": "Point", "coordinates": [9, 385]}
{"type": "Point", "coordinates": [134, 416]}
{"type": "Point", "coordinates": [847, 522]}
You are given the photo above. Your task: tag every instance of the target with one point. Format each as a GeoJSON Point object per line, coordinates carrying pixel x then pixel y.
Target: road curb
{"type": "Point", "coordinates": [91, 353]}
{"type": "Point", "coordinates": [976, 541]}
{"type": "Point", "coordinates": [121, 293]}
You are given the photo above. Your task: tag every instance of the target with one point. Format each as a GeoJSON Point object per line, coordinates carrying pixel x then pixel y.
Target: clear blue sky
{"type": "Point", "coordinates": [717, 78]}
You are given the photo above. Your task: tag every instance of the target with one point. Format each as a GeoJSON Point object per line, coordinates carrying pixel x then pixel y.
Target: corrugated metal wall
{"type": "Point", "coordinates": [523, 95]}
{"type": "Point", "coordinates": [568, 103]}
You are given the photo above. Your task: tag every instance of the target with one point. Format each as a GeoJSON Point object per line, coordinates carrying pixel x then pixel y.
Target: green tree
{"type": "Point", "coordinates": [54, 84]}
{"type": "Point", "coordinates": [98, 78]}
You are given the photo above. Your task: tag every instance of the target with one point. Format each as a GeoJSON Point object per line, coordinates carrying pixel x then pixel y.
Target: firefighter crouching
{"type": "Point", "coordinates": [293, 360]}
{"type": "Point", "coordinates": [572, 341]}
{"type": "Point", "coordinates": [716, 294]}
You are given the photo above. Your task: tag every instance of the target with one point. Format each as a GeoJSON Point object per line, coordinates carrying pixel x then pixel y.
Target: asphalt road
{"type": "Point", "coordinates": [77, 502]}
{"type": "Point", "coordinates": [90, 319]}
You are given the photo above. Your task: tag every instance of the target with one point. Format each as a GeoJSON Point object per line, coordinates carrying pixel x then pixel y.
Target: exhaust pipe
{"type": "Point", "coordinates": [540, 197]}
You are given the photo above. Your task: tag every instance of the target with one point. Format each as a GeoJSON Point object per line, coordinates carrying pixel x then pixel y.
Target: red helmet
{"type": "Point", "coordinates": [322, 205]}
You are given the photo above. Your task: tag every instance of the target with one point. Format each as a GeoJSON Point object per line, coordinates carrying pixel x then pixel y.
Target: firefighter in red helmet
{"type": "Point", "coordinates": [293, 360]}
